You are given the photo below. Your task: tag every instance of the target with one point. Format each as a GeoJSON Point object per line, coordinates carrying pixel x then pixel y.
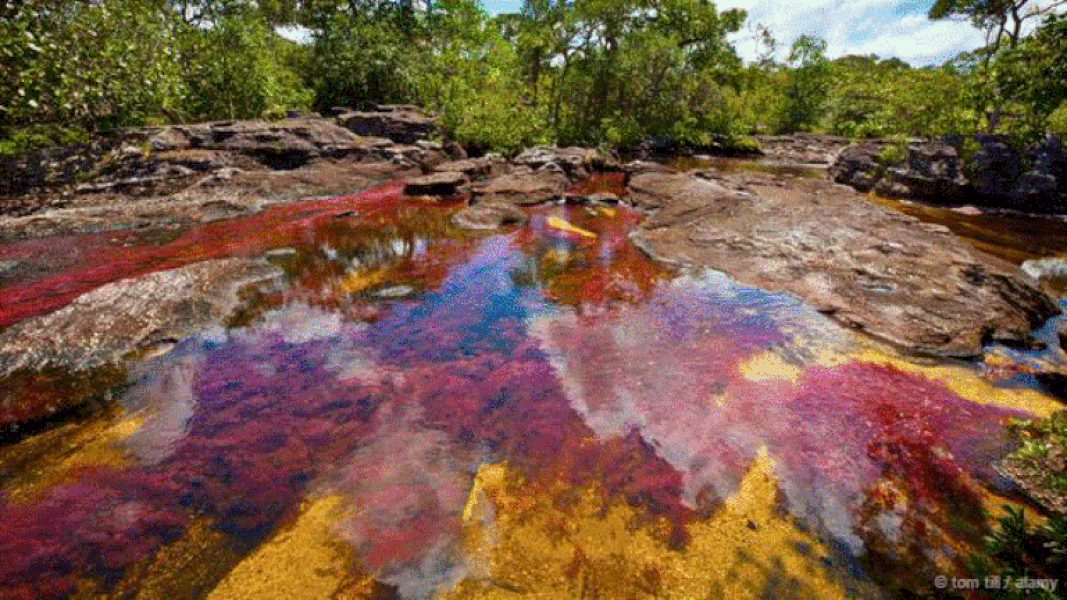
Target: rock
{"type": "Point", "coordinates": [801, 148]}
{"type": "Point", "coordinates": [282, 145]}
{"type": "Point", "coordinates": [170, 138]}
{"type": "Point", "coordinates": [446, 183]}
{"type": "Point", "coordinates": [594, 198]}
{"type": "Point", "coordinates": [488, 215]}
{"type": "Point", "coordinates": [215, 210]}
{"type": "Point", "coordinates": [396, 291]}
{"type": "Point", "coordinates": [50, 167]}
{"type": "Point", "coordinates": [1061, 332]}
{"type": "Point", "coordinates": [643, 166]}
{"type": "Point", "coordinates": [114, 320]}
{"type": "Point", "coordinates": [401, 123]}
{"type": "Point", "coordinates": [101, 329]}
{"type": "Point", "coordinates": [575, 162]}
{"type": "Point", "coordinates": [474, 168]}
{"type": "Point", "coordinates": [874, 269]}
{"type": "Point", "coordinates": [932, 171]}
{"type": "Point", "coordinates": [994, 166]}
{"type": "Point", "coordinates": [524, 186]}
{"type": "Point", "coordinates": [1054, 266]}
{"type": "Point", "coordinates": [999, 173]}
{"type": "Point", "coordinates": [859, 166]}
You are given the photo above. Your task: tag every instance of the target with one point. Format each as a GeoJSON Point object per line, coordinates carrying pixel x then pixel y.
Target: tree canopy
{"type": "Point", "coordinates": [564, 71]}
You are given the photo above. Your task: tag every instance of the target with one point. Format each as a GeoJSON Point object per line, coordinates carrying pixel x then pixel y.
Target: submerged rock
{"type": "Point", "coordinates": [1045, 267]}
{"type": "Point", "coordinates": [911, 283]}
{"type": "Point", "coordinates": [102, 328]}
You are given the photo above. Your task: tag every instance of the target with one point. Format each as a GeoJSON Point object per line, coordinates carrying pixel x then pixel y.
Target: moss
{"type": "Point", "coordinates": [1039, 465]}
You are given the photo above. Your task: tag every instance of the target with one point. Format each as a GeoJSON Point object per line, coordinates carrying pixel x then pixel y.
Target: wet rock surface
{"type": "Point", "coordinates": [114, 320]}
{"type": "Point", "coordinates": [102, 328]}
{"type": "Point", "coordinates": [888, 274]}
{"type": "Point", "coordinates": [994, 171]}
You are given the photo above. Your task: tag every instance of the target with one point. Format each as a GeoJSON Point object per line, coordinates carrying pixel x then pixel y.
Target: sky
{"type": "Point", "coordinates": [888, 28]}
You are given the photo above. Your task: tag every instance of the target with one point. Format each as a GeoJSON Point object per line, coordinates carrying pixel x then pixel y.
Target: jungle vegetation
{"type": "Point", "coordinates": [601, 72]}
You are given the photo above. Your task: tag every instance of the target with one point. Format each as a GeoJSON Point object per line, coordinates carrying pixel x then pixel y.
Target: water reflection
{"type": "Point", "coordinates": [545, 411]}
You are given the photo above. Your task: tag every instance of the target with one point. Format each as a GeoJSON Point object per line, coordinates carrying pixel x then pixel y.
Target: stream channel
{"type": "Point", "coordinates": [418, 411]}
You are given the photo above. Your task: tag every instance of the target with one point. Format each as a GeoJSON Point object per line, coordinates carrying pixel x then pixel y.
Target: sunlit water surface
{"type": "Point", "coordinates": [419, 412]}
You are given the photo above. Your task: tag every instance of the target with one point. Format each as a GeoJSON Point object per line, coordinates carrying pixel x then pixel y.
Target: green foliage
{"type": "Point", "coordinates": [607, 71]}
{"type": "Point", "coordinates": [563, 71]}
{"type": "Point", "coordinates": [1001, 19]}
{"type": "Point", "coordinates": [1032, 75]}
{"type": "Point", "coordinates": [472, 78]}
{"type": "Point", "coordinates": [1016, 550]}
{"type": "Point", "coordinates": [895, 151]}
{"type": "Point", "coordinates": [809, 82]}
{"type": "Point", "coordinates": [357, 61]}
{"type": "Point", "coordinates": [1044, 449]}
{"type": "Point", "coordinates": [870, 97]}
{"type": "Point", "coordinates": [1057, 121]}
{"type": "Point", "coordinates": [32, 137]}
{"type": "Point", "coordinates": [237, 70]}
{"type": "Point", "coordinates": [99, 65]}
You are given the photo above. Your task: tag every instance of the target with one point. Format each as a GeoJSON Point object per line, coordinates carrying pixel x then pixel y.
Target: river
{"type": "Point", "coordinates": [418, 411]}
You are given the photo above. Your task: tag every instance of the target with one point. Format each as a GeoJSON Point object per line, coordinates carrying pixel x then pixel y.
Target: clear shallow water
{"type": "Point", "coordinates": [421, 412]}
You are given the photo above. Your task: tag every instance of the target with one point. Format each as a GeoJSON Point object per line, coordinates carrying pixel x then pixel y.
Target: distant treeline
{"type": "Point", "coordinates": [575, 71]}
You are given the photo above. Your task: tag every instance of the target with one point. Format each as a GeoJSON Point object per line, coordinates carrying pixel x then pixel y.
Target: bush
{"type": "Point", "coordinates": [32, 137]}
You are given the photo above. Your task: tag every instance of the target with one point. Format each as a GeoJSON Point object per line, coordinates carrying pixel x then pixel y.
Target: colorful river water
{"type": "Point", "coordinates": [422, 412]}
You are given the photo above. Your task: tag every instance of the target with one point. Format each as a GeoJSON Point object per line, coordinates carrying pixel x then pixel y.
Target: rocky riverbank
{"type": "Point", "coordinates": [989, 171]}
{"type": "Point", "coordinates": [873, 269]}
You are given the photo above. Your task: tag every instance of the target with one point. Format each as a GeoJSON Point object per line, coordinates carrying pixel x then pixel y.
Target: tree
{"type": "Point", "coordinates": [1002, 20]}
{"type": "Point", "coordinates": [1033, 74]}
{"type": "Point", "coordinates": [618, 70]}
{"type": "Point", "coordinates": [808, 84]}
{"type": "Point", "coordinates": [1017, 74]}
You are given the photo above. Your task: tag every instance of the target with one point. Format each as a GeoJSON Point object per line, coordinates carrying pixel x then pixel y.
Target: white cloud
{"type": "Point", "coordinates": [888, 28]}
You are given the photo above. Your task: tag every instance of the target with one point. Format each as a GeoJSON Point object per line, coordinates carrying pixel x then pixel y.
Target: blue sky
{"type": "Point", "coordinates": [888, 28]}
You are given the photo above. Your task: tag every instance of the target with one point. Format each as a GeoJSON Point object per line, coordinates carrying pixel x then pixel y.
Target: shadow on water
{"type": "Point", "coordinates": [435, 413]}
